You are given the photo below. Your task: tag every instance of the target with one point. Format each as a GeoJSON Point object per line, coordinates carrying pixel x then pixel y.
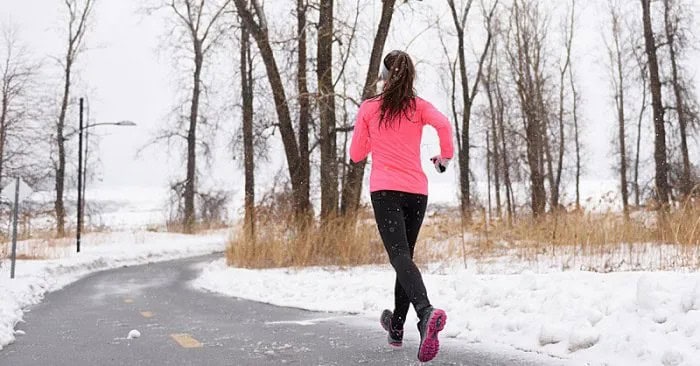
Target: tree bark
{"type": "Point", "coordinates": [6, 80]}
{"type": "Point", "coordinates": [190, 190]}
{"type": "Point", "coordinates": [639, 141]}
{"type": "Point", "coordinates": [616, 63]}
{"type": "Point", "coordinates": [326, 104]}
{"type": "Point", "coordinates": [526, 66]}
{"type": "Point", "coordinates": [247, 94]}
{"type": "Point", "coordinates": [304, 110]}
{"type": "Point", "coordinates": [642, 68]}
{"type": "Point", "coordinates": [353, 188]}
{"type": "Point", "coordinates": [577, 141]}
{"type": "Point", "coordinates": [493, 116]}
{"type": "Point", "coordinates": [685, 182]}
{"type": "Point", "coordinates": [560, 158]}
{"type": "Point", "coordinates": [660, 158]}
{"type": "Point", "coordinates": [463, 153]}
{"type": "Point", "coordinates": [469, 92]}
{"type": "Point", "coordinates": [506, 165]}
{"type": "Point", "coordinates": [259, 32]}
{"type": "Point", "coordinates": [77, 25]}
{"type": "Point", "coordinates": [60, 169]}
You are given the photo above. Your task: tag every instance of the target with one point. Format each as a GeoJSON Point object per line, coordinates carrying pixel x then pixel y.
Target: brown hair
{"type": "Point", "coordinates": [398, 95]}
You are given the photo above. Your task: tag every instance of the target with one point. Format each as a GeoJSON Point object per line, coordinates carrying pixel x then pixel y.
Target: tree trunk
{"type": "Point", "coordinates": [248, 149]}
{"type": "Point", "coordinates": [639, 144]}
{"type": "Point", "coordinates": [621, 137]}
{"type": "Point", "coordinates": [567, 64]}
{"type": "Point", "coordinates": [3, 128]}
{"type": "Point", "coordinates": [506, 166]}
{"type": "Point", "coordinates": [660, 159]}
{"type": "Point", "coordinates": [547, 157]}
{"type": "Point", "coordinates": [617, 64]}
{"type": "Point", "coordinates": [190, 187]}
{"type": "Point", "coordinates": [60, 169]}
{"type": "Point", "coordinates": [488, 171]}
{"type": "Point", "coordinates": [464, 183]}
{"type": "Point", "coordinates": [468, 96]}
{"type": "Point", "coordinates": [352, 190]}
{"type": "Point", "coordinates": [326, 104]}
{"type": "Point", "coordinates": [560, 156]}
{"type": "Point", "coordinates": [577, 141]}
{"type": "Point", "coordinates": [304, 110]}
{"type": "Point", "coordinates": [488, 85]}
{"type": "Point", "coordinates": [463, 137]}
{"type": "Point", "coordinates": [685, 182]}
{"type": "Point", "coordinates": [538, 194]}
{"type": "Point", "coordinates": [496, 162]}
{"type": "Point", "coordinates": [260, 34]}
{"type": "Point", "coordinates": [526, 63]}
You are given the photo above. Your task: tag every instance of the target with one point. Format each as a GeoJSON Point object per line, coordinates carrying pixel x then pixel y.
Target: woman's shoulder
{"type": "Point", "coordinates": [376, 100]}
{"type": "Point", "coordinates": [422, 103]}
{"type": "Point", "coordinates": [370, 104]}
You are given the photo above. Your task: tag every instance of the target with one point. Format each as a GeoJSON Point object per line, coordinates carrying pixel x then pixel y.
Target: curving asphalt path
{"type": "Point", "coordinates": [87, 323]}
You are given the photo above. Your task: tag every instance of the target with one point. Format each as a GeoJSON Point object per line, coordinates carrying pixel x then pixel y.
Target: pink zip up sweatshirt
{"type": "Point", "coordinates": [396, 161]}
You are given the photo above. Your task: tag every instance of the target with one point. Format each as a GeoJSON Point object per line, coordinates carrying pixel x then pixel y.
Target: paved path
{"type": "Point", "coordinates": [87, 324]}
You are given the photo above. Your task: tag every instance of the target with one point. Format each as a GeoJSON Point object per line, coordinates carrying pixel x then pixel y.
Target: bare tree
{"type": "Point", "coordinates": [17, 74]}
{"type": "Point", "coordinates": [577, 140]}
{"type": "Point", "coordinates": [468, 91]}
{"type": "Point", "coordinates": [498, 115]}
{"type": "Point", "coordinates": [353, 186]}
{"type": "Point", "coordinates": [506, 166]}
{"type": "Point", "coordinates": [304, 105]}
{"type": "Point", "coordinates": [247, 86]}
{"type": "Point", "coordinates": [617, 58]}
{"type": "Point", "coordinates": [326, 104]}
{"type": "Point", "coordinates": [78, 12]}
{"type": "Point", "coordinates": [643, 76]}
{"type": "Point", "coordinates": [660, 157]}
{"type": "Point", "coordinates": [525, 54]}
{"type": "Point", "coordinates": [568, 42]}
{"type": "Point", "coordinates": [674, 40]}
{"type": "Point", "coordinates": [493, 115]}
{"type": "Point", "coordinates": [253, 16]}
{"type": "Point", "coordinates": [202, 23]}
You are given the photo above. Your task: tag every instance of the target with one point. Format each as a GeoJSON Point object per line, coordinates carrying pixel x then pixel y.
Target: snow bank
{"type": "Point", "coordinates": [627, 318]}
{"type": "Point", "coordinates": [36, 278]}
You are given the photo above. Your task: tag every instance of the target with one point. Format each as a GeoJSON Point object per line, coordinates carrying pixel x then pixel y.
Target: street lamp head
{"type": "Point", "coordinates": [125, 123]}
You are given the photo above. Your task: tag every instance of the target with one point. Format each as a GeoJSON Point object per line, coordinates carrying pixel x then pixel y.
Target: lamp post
{"type": "Point", "coordinates": [81, 128]}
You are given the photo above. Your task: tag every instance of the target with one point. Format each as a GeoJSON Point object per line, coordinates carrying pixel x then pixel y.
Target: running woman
{"type": "Point", "coordinates": [390, 126]}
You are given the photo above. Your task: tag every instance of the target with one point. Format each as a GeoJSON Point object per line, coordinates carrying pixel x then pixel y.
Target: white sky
{"type": "Point", "coordinates": [126, 77]}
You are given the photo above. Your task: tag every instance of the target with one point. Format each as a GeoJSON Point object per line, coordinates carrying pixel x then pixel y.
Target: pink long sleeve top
{"type": "Point", "coordinates": [396, 162]}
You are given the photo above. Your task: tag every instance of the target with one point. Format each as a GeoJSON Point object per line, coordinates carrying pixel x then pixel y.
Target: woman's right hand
{"type": "Point", "coordinates": [440, 163]}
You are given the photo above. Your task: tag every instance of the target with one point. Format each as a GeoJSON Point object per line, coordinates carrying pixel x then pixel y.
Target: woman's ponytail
{"type": "Point", "coordinates": [398, 95]}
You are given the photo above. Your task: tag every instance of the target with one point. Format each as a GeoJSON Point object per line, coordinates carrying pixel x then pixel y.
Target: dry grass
{"type": "Point", "coordinates": [680, 227]}
{"type": "Point", "coordinates": [597, 241]}
{"type": "Point", "coordinates": [283, 244]}
{"type": "Point", "coordinates": [674, 238]}
{"type": "Point", "coordinates": [39, 248]}
{"type": "Point", "coordinates": [178, 227]}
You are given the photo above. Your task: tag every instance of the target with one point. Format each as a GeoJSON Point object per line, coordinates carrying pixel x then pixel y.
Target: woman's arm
{"type": "Point", "coordinates": [360, 145]}
{"type": "Point", "coordinates": [430, 115]}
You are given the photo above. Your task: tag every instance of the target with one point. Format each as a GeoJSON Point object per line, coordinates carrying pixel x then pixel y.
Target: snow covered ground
{"type": "Point", "coordinates": [34, 278]}
{"type": "Point", "coordinates": [624, 318]}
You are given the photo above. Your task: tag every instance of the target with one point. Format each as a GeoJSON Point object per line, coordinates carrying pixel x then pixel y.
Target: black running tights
{"type": "Point", "coordinates": [399, 216]}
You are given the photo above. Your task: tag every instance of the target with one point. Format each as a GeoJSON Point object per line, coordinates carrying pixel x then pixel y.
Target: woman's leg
{"type": "Point", "coordinates": [413, 212]}
{"type": "Point", "coordinates": [389, 211]}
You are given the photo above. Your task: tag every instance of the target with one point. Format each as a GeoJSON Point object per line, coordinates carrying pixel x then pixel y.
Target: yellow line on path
{"type": "Point", "coordinates": [128, 301]}
{"type": "Point", "coordinates": [147, 314]}
{"type": "Point", "coordinates": [186, 340]}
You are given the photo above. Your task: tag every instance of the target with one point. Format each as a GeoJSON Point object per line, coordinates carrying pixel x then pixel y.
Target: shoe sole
{"type": "Point", "coordinates": [387, 314]}
{"type": "Point", "coordinates": [431, 344]}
